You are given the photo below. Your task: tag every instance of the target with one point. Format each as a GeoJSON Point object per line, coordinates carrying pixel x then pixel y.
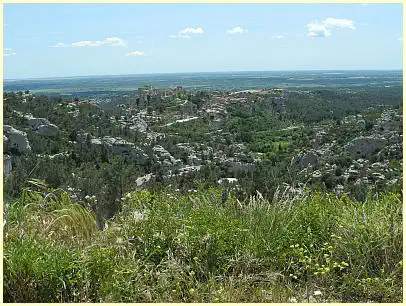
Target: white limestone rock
{"type": "Point", "coordinates": [49, 130]}
{"type": "Point", "coordinates": [16, 139]}
{"type": "Point", "coordinates": [35, 123]}
{"type": "Point", "coordinates": [143, 180]}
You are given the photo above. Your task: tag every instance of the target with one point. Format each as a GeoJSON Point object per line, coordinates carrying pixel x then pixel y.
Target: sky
{"type": "Point", "coordinates": [66, 40]}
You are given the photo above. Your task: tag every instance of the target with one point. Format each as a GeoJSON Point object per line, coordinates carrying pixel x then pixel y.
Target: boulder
{"type": "Point", "coordinates": [15, 139]}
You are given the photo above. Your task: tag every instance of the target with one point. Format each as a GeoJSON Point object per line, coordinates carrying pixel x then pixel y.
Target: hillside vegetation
{"type": "Point", "coordinates": [167, 247]}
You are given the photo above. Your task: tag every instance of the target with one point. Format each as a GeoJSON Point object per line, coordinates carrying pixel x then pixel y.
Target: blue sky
{"type": "Point", "coordinates": [56, 40]}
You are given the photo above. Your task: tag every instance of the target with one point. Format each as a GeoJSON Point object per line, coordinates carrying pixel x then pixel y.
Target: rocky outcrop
{"type": "Point", "coordinates": [42, 126]}
{"type": "Point", "coordinates": [35, 123]}
{"type": "Point", "coordinates": [49, 130]}
{"type": "Point", "coordinates": [15, 140]}
{"type": "Point", "coordinates": [116, 146]}
{"type": "Point", "coordinates": [119, 146]}
{"type": "Point", "coordinates": [163, 157]}
{"type": "Point", "coordinates": [362, 146]}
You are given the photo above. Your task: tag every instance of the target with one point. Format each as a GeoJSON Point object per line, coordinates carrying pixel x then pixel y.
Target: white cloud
{"type": "Point", "coordinates": [8, 52]}
{"type": "Point", "coordinates": [109, 41]}
{"type": "Point", "coordinates": [236, 30]}
{"type": "Point", "coordinates": [277, 36]}
{"type": "Point", "coordinates": [198, 30]}
{"type": "Point", "coordinates": [323, 28]}
{"type": "Point", "coordinates": [316, 29]}
{"type": "Point", "coordinates": [186, 32]}
{"type": "Point", "coordinates": [136, 53]}
{"type": "Point", "coordinates": [339, 23]}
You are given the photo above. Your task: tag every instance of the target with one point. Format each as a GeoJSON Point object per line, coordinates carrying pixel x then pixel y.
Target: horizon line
{"type": "Point", "coordinates": [195, 72]}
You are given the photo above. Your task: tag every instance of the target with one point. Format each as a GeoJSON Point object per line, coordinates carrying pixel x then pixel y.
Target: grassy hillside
{"type": "Point", "coordinates": [167, 247]}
